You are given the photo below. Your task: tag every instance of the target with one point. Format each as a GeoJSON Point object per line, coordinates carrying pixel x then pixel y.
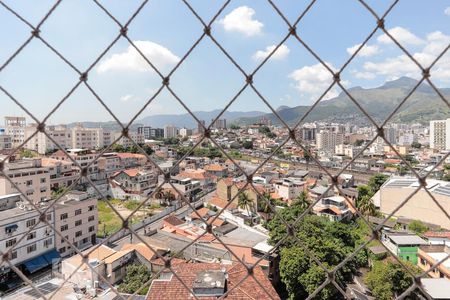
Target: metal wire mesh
{"type": "Point", "coordinates": [247, 83]}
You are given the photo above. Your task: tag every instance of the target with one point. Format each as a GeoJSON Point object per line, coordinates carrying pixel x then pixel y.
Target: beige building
{"type": "Point", "coordinates": [32, 179]}
{"type": "Point", "coordinates": [345, 150]}
{"type": "Point", "coordinates": [327, 140]}
{"type": "Point", "coordinates": [15, 127]}
{"type": "Point", "coordinates": [89, 138]}
{"type": "Point", "coordinates": [42, 143]}
{"type": "Point", "coordinates": [429, 255]}
{"type": "Point", "coordinates": [61, 172]}
{"type": "Point", "coordinates": [138, 138]}
{"type": "Point", "coordinates": [76, 216]}
{"type": "Point", "coordinates": [5, 141]}
{"type": "Point", "coordinates": [439, 134]}
{"type": "Point", "coordinates": [420, 206]}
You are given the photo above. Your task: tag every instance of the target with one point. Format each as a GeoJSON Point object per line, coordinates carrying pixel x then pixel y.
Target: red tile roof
{"type": "Point", "coordinates": [249, 289]}
{"type": "Point", "coordinates": [220, 203]}
{"type": "Point", "coordinates": [174, 221]}
{"type": "Point", "coordinates": [437, 234]}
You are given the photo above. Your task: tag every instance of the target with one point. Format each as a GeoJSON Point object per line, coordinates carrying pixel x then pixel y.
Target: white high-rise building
{"type": "Point", "coordinates": [15, 127]}
{"type": "Point", "coordinates": [327, 140]}
{"type": "Point", "coordinates": [439, 134]}
{"type": "Point", "coordinates": [185, 132]}
{"type": "Point", "coordinates": [89, 138]}
{"type": "Point", "coordinates": [5, 140]}
{"type": "Point", "coordinates": [42, 143]}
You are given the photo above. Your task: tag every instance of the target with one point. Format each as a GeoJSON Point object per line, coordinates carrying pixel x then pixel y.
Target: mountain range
{"type": "Point", "coordinates": [422, 106]}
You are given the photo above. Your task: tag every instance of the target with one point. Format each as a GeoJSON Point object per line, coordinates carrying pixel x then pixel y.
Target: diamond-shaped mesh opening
{"type": "Point", "coordinates": [252, 208]}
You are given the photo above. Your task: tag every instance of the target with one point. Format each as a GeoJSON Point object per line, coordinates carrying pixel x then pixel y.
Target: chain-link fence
{"type": "Point", "coordinates": [123, 28]}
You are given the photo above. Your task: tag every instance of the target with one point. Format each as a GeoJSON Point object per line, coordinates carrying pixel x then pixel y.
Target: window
{"type": "Point", "coordinates": [64, 216]}
{"type": "Point", "coordinates": [91, 228]}
{"type": "Point", "coordinates": [78, 212]}
{"type": "Point", "coordinates": [13, 255]}
{"type": "Point", "coordinates": [78, 222]}
{"type": "Point", "coordinates": [91, 218]}
{"type": "Point", "coordinates": [78, 233]}
{"type": "Point", "coordinates": [64, 227]}
{"type": "Point", "coordinates": [49, 217]}
{"type": "Point", "coordinates": [48, 242]}
{"type": "Point", "coordinates": [10, 242]}
{"type": "Point", "coordinates": [42, 180]}
{"type": "Point", "coordinates": [91, 208]}
{"type": "Point", "coordinates": [31, 222]}
{"type": "Point", "coordinates": [29, 182]}
{"type": "Point", "coordinates": [85, 240]}
{"type": "Point", "coordinates": [31, 235]}
{"type": "Point", "coordinates": [62, 250]}
{"type": "Point", "coordinates": [31, 248]}
{"type": "Point", "coordinates": [30, 193]}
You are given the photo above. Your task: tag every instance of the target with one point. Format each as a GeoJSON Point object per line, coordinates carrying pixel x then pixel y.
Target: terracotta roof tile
{"type": "Point", "coordinates": [248, 289]}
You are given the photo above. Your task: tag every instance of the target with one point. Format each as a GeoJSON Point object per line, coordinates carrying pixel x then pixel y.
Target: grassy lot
{"type": "Point", "coordinates": [110, 222]}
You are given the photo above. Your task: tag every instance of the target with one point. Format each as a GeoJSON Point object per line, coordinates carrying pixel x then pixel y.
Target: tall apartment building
{"type": "Point", "coordinates": [61, 172]}
{"type": "Point", "coordinates": [170, 131]}
{"type": "Point", "coordinates": [308, 132]}
{"type": "Point", "coordinates": [390, 135]}
{"type": "Point", "coordinates": [77, 219]}
{"type": "Point", "coordinates": [439, 134]}
{"type": "Point", "coordinates": [150, 133]}
{"type": "Point", "coordinates": [84, 158]}
{"type": "Point", "coordinates": [90, 138]}
{"type": "Point", "coordinates": [15, 127]}
{"type": "Point", "coordinates": [326, 140]}
{"type": "Point", "coordinates": [42, 143]}
{"type": "Point", "coordinates": [30, 176]}
{"type": "Point", "coordinates": [36, 250]}
{"type": "Point", "coordinates": [5, 140]}
{"type": "Point", "coordinates": [219, 124]}
{"type": "Point", "coordinates": [200, 126]}
{"type": "Point", "coordinates": [125, 142]}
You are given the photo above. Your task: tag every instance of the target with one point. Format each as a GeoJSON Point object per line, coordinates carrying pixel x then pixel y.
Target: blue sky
{"type": "Point", "coordinates": [207, 80]}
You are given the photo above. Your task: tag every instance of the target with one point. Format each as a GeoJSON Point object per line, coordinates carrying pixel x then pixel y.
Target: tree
{"type": "Point", "coordinates": [416, 145]}
{"type": "Point", "coordinates": [359, 143]}
{"type": "Point", "coordinates": [234, 127]}
{"type": "Point", "coordinates": [366, 206]}
{"type": "Point", "coordinates": [168, 196]}
{"type": "Point", "coordinates": [418, 227]}
{"type": "Point", "coordinates": [301, 202]}
{"type": "Point", "coordinates": [26, 153]}
{"type": "Point", "coordinates": [245, 202]}
{"type": "Point", "coordinates": [136, 276]}
{"type": "Point", "coordinates": [376, 181]}
{"type": "Point", "coordinates": [389, 280]}
{"type": "Point", "coordinates": [247, 144]}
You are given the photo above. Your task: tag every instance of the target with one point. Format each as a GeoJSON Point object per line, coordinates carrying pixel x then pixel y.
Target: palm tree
{"type": "Point", "coordinates": [301, 201]}
{"type": "Point", "coordinates": [246, 203]}
{"type": "Point", "coordinates": [168, 197]}
{"type": "Point", "coordinates": [265, 207]}
{"type": "Point", "coordinates": [366, 206]}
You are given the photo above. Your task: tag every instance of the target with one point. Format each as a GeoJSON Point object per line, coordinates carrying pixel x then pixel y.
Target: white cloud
{"type": "Point", "coordinates": [281, 53]}
{"type": "Point", "coordinates": [402, 35]}
{"type": "Point", "coordinates": [447, 11]}
{"type": "Point", "coordinates": [402, 65]}
{"type": "Point", "coordinates": [129, 98]}
{"type": "Point", "coordinates": [241, 20]}
{"type": "Point", "coordinates": [314, 80]}
{"type": "Point", "coordinates": [131, 60]}
{"type": "Point", "coordinates": [364, 75]}
{"type": "Point", "coordinates": [365, 51]}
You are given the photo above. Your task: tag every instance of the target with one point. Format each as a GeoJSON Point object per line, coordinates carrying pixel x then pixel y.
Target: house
{"type": "Point", "coordinates": [436, 288]}
{"type": "Point", "coordinates": [132, 184]}
{"type": "Point", "coordinates": [198, 277]}
{"type": "Point", "coordinates": [319, 192]}
{"type": "Point", "coordinates": [403, 244]}
{"type": "Point", "coordinates": [438, 237]}
{"type": "Point", "coordinates": [429, 255]}
{"type": "Point", "coordinates": [336, 208]}
{"type": "Point", "coordinates": [289, 188]}
{"type": "Point", "coordinates": [216, 170]}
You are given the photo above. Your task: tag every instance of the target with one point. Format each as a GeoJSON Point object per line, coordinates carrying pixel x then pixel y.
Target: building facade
{"type": "Point", "coordinates": [439, 136]}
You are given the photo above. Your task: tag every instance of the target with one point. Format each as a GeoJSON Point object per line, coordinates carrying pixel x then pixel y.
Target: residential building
{"type": "Point", "coordinates": [41, 142]}
{"type": "Point", "coordinates": [132, 160]}
{"type": "Point", "coordinates": [198, 277]}
{"type": "Point", "coordinates": [308, 132]}
{"type": "Point", "coordinates": [132, 184]}
{"type": "Point", "coordinates": [170, 131]}
{"type": "Point", "coordinates": [84, 158]}
{"type": "Point", "coordinates": [200, 127]}
{"type": "Point", "coordinates": [109, 163]}
{"type": "Point", "coordinates": [289, 188]}
{"type": "Point", "coordinates": [33, 252]}
{"type": "Point", "coordinates": [61, 172]}
{"type": "Point", "coordinates": [220, 124]}
{"type": "Point", "coordinates": [326, 140]}
{"type": "Point", "coordinates": [420, 206]}
{"type": "Point", "coordinates": [336, 208]}
{"type": "Point", "coordinates": [134, 138]}
{"type": "Point", "coordinates": [15, 127]}
{"type": "Point", "coordinates": [439, 134]}
{"type": "Point", "coordinates": [31, 178]}
{"type": "Point", "coordinates": [150, 133]}
{"type": "Point", "coordinates": [89, 138]}
{"type": "Point", "coordinates": [5, 141]}
{"type": "Point", "coordinates": [429, 255]}
{"type": "Point", "coordinates": [403, 244]}
{"type": "Point", "coordinates": [390, 135]}
{"type": "Point", "coordinates": [76, 217]}
{"type": "Point", "coordinates": [184, 132]}
{"type": "Point", "coordinates": [344, 150]}
{"type": "Point", "coordinates": [406, 139]}
{"type": "Point", "coordinates": [186, 186]}
{"type": "Point", "coordinates": [216, 170]}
